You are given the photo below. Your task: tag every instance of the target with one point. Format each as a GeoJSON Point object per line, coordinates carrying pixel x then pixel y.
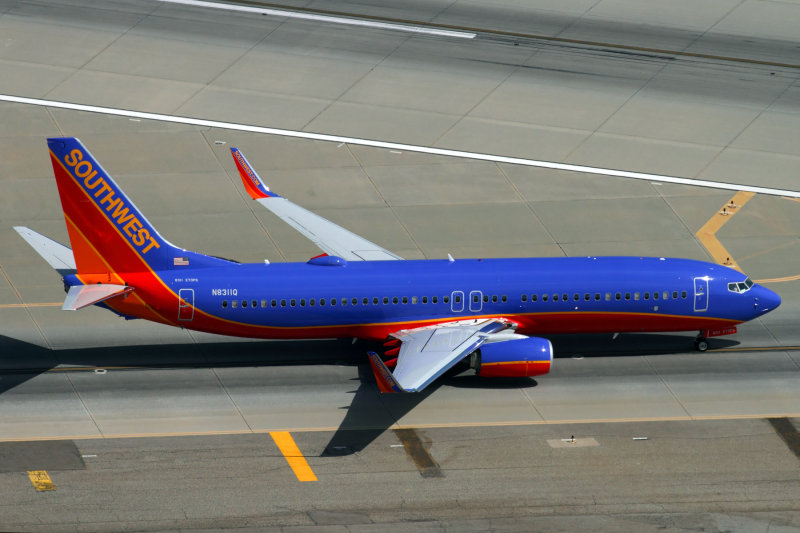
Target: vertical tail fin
{"type": "Point", "coordinates": [107, 232]}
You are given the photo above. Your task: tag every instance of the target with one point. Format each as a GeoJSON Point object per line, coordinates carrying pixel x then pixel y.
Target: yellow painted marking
{"type": "Point", "coordinates": [778, 280]}
{"type": "Point", "coordinates": [707, 234]}
{"type": "Point", "coordinates": [293, 456]}
{"type": "Point", "coordinates": [41, 481]}
{"type": "Point", "coordinates": [43, 304]}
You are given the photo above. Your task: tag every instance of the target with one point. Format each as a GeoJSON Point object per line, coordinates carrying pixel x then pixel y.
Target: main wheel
{"type": "Point", "coordinates": [701, 345]}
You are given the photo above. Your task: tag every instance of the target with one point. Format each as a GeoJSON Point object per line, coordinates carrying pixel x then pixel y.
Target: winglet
{"type": "Point", "coordinates": [384, 378]}
{"type": "Point", "coordinates": [252, 182]}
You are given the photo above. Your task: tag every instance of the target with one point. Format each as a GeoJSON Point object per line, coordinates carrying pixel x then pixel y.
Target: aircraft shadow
{"type": "Point", "coordinates": [369, 414]}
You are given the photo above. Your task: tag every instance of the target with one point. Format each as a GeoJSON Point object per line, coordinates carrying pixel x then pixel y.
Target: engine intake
{"type": "Point", "coordinates": [517, 358]}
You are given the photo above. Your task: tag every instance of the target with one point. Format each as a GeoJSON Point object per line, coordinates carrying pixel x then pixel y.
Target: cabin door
{"type": "Point", "coordinates": [475, 301]}
{"type": "Point", "coordinates": [457, 301]}
{"type": "Point", "coordinates": [186, 305]}
{"type": "Point", "coordinates": [700, 294]}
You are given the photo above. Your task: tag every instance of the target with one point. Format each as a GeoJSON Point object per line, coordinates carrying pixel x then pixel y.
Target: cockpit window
{"type": "Point", "coordinates": [741, 286]}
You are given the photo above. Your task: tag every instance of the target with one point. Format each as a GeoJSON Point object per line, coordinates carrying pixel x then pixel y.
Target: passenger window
{"type": "Point", "coordinates": [292, 302]}
{"type": "Point", "coordinates": [534, 297]}
{"type": "Point", "coordinates": [618, 296]}
{"type": "Point", "coordinates": [244, 303]}
{"type": "Point", "coordinates": [504, 298]}
{"type": "Point", "coordinates": [636, 296]}
{"type": "Point", "coordinates": [524, 297]}
{"type": "Point", "coordinates": [333, 301]}
{"type": "Point", "coordinates": [312, 302]}
{"type": "Point", "coordinates": [665, 296]}
{"type": "Point", "coordinates": [674, 295]}
{"type": "Point", "coordinates": [576, 297]}
{"type": "Point", "coordinates": [322, 302]}
{"type": "Point", "coordinates": [608, 296]}
{"type": "Point", "coordinates": [647, 296]}
{"type": "Point", "coordinates": [263, 303]}
{"type": "Point", "coordinates": [627, 296]}
{"type": "Point", "coordinates": [273, 303]}
{"type": "Point", "coordinates": [587, 296]}
{"type": "Point", "coordinates": [446, 299]}
{"type": "Point", "coordinates": [597, 297]}
{"type": "Point", "coordinates": [234, 304]}
{"type": "Point", "coordinates": [683, 294]}
{"type": "Point", "coordinates": [435, 299]}
{"type": "Point", "coordinates": [303, 303]}
{"type": "Point", "coordinates": [413, 299]}
{"type": "Point", "coordinates": [405, 299]}
{"type": "Point", "coordinates": [544, 297]}
{"type": "Point", "coordinates": [344, 301]}
{"type": "Point", "coordinates": [485, 297]}
{"type": "Point", "coordinates": [385, 300]}
{"type": "Point", "coordinates": [655, 295]}
{"type": "Point", "coordinates": [365, 301]}
{"type": "Point", "coordinates": [254, 303]}
{"type": "Point", "coordinates": [494, 298]}
{"type": "Point", "coordinates": [354, 301]}
{"type": "Point", "coordinates": [224, 304]}
{"type": "Point", "coordinates": [565, 296]}
{"type": "Point", "coordinates": [424, 299]}
{"type": "Point", "coordinates": [395, 300]}
{"type": "Point", "coordinates": [375, 301]}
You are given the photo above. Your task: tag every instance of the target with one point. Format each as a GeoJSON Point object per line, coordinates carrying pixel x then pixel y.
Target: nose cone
{"type": "Point", "coordinates": [765, 299]}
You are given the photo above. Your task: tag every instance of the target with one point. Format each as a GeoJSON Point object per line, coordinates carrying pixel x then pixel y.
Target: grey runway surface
{"type": "Point", "coordinates": [88, 383]}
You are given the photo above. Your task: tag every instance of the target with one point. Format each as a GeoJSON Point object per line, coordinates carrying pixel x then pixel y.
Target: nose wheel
{"type": "Point", "coordinates": [700, 344]}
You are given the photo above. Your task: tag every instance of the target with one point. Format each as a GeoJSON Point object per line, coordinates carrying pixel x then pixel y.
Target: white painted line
{"type": "Point", "coordinates": [402, 147]}
{"type": "Point", "coordinates": [327, 18]}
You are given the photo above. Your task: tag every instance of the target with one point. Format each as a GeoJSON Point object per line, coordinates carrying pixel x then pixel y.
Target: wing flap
{"type": "Point", "coordinates": [80, 296]}
{"type": "Point", "coordinates": [427, 353]}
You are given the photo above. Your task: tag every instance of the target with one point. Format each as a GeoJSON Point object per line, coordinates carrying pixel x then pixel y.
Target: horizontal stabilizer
{"type": "Point", "coordinates": [57, 255]}
{"type": "Point", "coordinates": [80, 296]}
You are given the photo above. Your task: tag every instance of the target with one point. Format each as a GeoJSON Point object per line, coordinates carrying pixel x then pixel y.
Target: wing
{"type": "Point", "coordinates": [427, 353]}
{"type": "Point", "coordinates": [332, 239]}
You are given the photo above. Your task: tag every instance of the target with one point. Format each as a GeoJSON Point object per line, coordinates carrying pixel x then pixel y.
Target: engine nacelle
{"type": "Point", "coordinates": [516, 358]}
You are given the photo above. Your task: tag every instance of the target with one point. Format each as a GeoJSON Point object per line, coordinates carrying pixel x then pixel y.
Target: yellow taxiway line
{"type": "Point", "coordinates": [707, 234]}
{"type": "Point", "coordinates": [293, 456]}
{"type": "Point", "coordinates": [43, 304]}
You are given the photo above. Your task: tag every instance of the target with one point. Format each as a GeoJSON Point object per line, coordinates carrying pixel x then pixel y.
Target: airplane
{"type": "Point", "coordinates": [430, 314]}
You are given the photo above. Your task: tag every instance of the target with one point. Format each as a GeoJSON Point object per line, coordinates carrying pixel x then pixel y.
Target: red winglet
{"type": "Point", "coordinates": [383, 377]}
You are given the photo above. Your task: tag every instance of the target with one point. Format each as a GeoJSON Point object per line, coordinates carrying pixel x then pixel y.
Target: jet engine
{"type": "Point", "coordinates": [518, 358]}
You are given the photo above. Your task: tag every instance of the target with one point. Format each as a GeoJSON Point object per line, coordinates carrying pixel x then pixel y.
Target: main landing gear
{"type": "Point", "coordinates": [700, 343]}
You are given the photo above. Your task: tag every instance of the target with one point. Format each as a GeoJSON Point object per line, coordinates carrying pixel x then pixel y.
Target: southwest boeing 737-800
{"type": "Point", "coordinates": [432, 313]}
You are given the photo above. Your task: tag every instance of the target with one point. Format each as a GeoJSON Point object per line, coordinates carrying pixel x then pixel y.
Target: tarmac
{"type": "Point", "coordinates": [144, 427]}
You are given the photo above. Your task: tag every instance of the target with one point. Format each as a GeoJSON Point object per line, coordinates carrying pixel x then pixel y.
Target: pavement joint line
{"type": "Point", "coordinates": [707, 234]}
{"type": "Point", "coordinates": [400, 146]}
{"type": "Point", "coordinates": [509, 423]}
{"type": "Point", "coordinates": [550, 38]}
{"type": "Point", "coordinates": [318, 17]}
{"type": "Point", "coordinates": [296, 460]}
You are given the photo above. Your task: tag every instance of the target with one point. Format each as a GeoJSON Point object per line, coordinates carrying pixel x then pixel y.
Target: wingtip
{"type": "Point", "coordinates": [253, 184]}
